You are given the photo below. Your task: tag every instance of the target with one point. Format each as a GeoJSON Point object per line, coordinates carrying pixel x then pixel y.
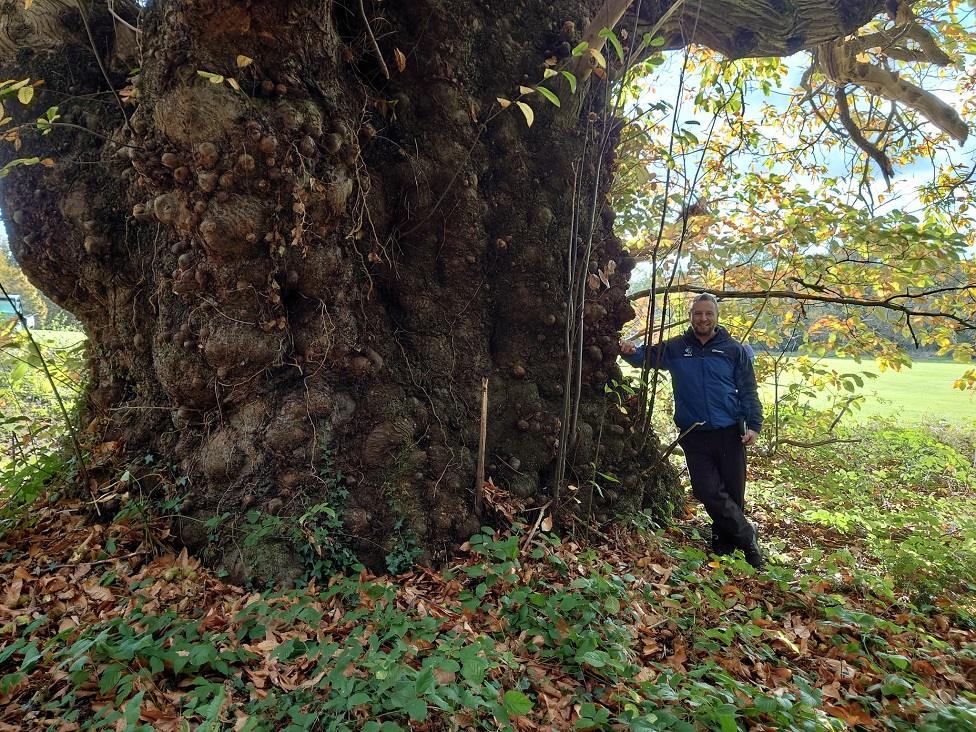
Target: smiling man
{"type": "Point", "coordinates": [717, 411]}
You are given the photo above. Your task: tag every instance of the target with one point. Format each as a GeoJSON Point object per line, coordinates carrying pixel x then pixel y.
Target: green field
{"type": "Point", "coordinates": [58, 338]}
{"type": "Point", "coordinates": [920, 394]}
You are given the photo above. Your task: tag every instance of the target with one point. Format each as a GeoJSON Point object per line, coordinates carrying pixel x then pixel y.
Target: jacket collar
{"type": "Point", "coordinates": [721, 336]}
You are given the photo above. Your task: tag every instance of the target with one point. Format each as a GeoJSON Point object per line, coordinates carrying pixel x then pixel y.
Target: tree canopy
{"type": "Point", "coordinates": [839, 212]}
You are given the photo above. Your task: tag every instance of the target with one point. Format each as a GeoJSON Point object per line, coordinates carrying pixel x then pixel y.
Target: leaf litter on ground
{"type": "Point", "coordinates": [633, 629]}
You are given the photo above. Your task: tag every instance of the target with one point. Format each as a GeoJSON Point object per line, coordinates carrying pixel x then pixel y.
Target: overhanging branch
{"type": "Point", "coordinates": [39, 27]}
{"type": "Point", "coordinates": [756, 28]}
{"type": "Point", "coordinates": [888, 303]}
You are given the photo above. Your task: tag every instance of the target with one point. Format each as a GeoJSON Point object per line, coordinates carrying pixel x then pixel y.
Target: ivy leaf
{"type": "Point", "coordinates": [527, 111]}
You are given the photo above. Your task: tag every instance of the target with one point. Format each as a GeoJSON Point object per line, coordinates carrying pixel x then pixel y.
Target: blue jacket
{"type": "Point", "coordinates": [713, 383]}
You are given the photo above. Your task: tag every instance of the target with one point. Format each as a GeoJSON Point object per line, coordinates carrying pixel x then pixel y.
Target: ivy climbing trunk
{"type": "Point", "coordinates": [295, 272]}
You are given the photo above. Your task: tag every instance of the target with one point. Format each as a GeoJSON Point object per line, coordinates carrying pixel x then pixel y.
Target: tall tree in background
{"type": "Point", "coordinates": [303, 232]}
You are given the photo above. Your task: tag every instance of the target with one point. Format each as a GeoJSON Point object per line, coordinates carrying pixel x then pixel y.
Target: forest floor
{"type": "Point", "coordinates": [865, 618]}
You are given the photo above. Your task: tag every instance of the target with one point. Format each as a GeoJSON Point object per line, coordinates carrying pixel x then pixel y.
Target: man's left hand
{"type": "Point", "coordinates": [750, 437]}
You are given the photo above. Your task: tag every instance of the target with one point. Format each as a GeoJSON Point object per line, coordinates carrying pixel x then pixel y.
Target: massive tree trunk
{"type": "Point", "coordinates": [293, 290]}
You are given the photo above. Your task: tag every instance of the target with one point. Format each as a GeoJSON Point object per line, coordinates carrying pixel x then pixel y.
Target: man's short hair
{"type": "Point", "coordinates": [706, 297]}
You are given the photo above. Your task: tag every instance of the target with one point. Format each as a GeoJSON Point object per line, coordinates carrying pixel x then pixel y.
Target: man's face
{"type": "Point", "coordinates": [704, 318]}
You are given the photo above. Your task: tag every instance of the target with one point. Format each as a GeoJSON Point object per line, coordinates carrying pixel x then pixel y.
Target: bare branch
{"type": "Point", "coordinates": [818, 443]}
{"type": "Point", "coordinates": [933, 54]}
{"type": "Point", "coordinates": [887, 303]}
{"type": "Point", "coordinates": [372, 39]}
{"type": "Point", "coordinates": [858, 138]}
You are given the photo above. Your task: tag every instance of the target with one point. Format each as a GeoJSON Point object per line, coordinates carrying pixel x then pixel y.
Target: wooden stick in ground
{"type": "Point", "coordinates": [538, 521]}
{"type": "Point", "coordinates": [479, 485]}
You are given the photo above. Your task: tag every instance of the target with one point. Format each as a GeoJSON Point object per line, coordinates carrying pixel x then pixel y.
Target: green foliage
{"type": "Point", "coordinates": [630, 648]}
{"type": "Point", "coordinates": [32, 427]}
{"type": "Point", "coordinates": [404, 551]}
{"type": "Point", "coordinates": [378, 668]}
{"type": "Point", "coordinates": [323, 549]}
{"type": "Point", "coordinates": [780, 220]}
{"type": "Point", "coordinates": [899, 492]}
{"type": "Point", "coordinates": [15, 282]}
{"type": "Point", "coordinates": [23, 89]}
{"type": "Point", "coordinates": [317, 535]}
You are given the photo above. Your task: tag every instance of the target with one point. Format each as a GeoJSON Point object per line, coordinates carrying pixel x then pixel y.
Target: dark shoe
{"type": "Point", "coordinates": [721, 545]}
{"type": "Point", "coordinates": [754, 554]}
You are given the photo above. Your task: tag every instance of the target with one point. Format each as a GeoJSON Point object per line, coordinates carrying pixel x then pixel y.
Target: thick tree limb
{"type": "Point", "coordinates": [40, 27]}
{"type": "Point", "coordinates": [888, 303]}
{"type": "Point", "coordinates": [607, 17]}
{"type": "Point", "coordinates": [755, 28]}
{"type": "Point", "coordinates": [839, 61]}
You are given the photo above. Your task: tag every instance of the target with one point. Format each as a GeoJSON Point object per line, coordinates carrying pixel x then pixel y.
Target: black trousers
{"type": "Point", "coordinates": [717, 466]}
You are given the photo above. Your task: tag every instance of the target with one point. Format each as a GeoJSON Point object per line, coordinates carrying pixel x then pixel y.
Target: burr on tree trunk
{"type": "Point", "coordinates": [294, 288]}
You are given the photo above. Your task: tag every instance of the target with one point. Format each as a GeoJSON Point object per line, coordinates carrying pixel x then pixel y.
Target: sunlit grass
{"type": "Point", "coordinates": [920, 394]}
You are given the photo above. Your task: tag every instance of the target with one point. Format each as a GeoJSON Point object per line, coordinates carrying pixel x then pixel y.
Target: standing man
{"type": "Point", "coordinates": [717, 409]}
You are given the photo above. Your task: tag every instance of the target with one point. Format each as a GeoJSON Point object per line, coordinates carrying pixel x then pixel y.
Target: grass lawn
{"type": "Point", "coordinates": [920, 394]}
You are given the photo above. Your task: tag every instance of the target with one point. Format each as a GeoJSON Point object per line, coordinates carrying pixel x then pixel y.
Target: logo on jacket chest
{"type": "Point", "coordinates": [688, 352]}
